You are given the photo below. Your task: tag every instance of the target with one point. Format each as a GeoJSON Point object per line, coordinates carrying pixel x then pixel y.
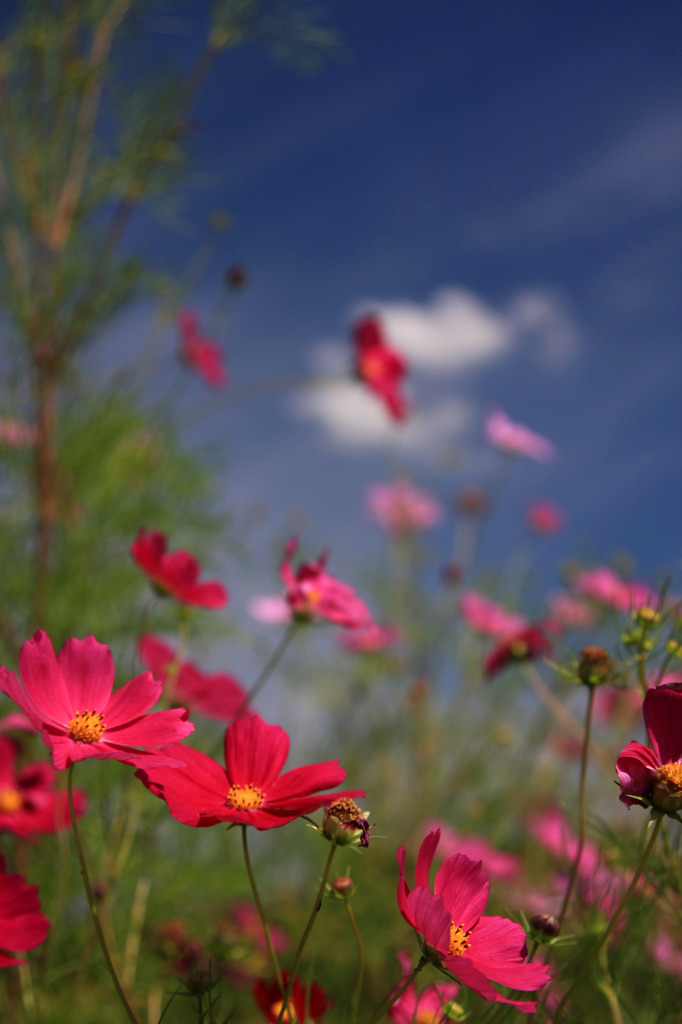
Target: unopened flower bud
{"type": "Point", "coordinates": [544, 927]}
{"type": "Point", "coordinates": [674, 648]}
{"type": "Point", "coordinates": [452, 573]}
{"type": "Point", "coordinates": [343, 885]}
{"type": "Point", "coordinates": [595, 666]}
{"type": "Point", "coordinates": [646, 617]}
{"type": "Point", "coordinates": [236, 276]}
{"type": "Point", "coordinates": [472, 501]}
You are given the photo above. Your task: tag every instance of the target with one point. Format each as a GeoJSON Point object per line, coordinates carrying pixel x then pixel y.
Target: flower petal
{"type": "Point", "coordinates": [43, 680]}
{"type": "Point", "coordinates": [464, 886]}
{"type": "Point", "coordinates": [87, 669]}
{"type": "Point", "coordinates": [305, 780]}
{"type": "Point", "coordinates": [157, 729]}
{"type": "Point", "coordinates": [425, 859]}
{"type": "Point", "coordinates": [195, 791]}
{"type": "Point", "coordinates": [255, 752]}
{"type": "Point", "coordinates": [133, 699]}
{"type": "Point", "coordinates": [663, 719]}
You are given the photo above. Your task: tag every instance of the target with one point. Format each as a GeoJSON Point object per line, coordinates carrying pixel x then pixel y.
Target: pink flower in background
{"type": "Point", "coordinates": [477, 950]}
{"type": "Point", "coordinates": [570, 611]}
{"type": "Point", "coordinates": [202, 355]}
{"type": "Point", "coordinates": [370, 639]}
{"type": "Point", "coordinates": [526, 645]}
{"type": "Point", "coordinates": [175, 573]}
{"type": "Point", "coordinates": [16, 434]}
{"type": "Point", "coordinates": [402, 508]}
{"type": "Point", "coordinates": [311, 593]}
{"type": "Point", "coordinates": [22, 926]}
{"type": "Point", "coordinates": [667, 954]}
{"type": "Point", "coordinates": [652, 776]}
{"type": "Point", "coordinates": [69, 699]}
{"type": "Point", "coordinates": [216, 695]}
{"type": "Point", "coordinates": [603, 585]}
{"type": "Point", "coordinates": [544, 517]}
{"type": "Point", "coordinates": [426, 1007]}
{"type": "Point", "coordinates": [497, 863]}
{"type": "Point", "coordinates": [615, 704]}
{"type": "Point", "coordinates": [247, 920]}
{"type": "Point", "coordinates": [380, 367]}
{"type": "Point", "coordinates": [515, 439]}
{"type": "Point", "coordinates": [16, 721]}
{"type": "Point", "coordinates": [487, 617]}
{"type": "Point", "coordinates": [270, 608]}
{"type": "Point", "coordinates": [29, 804]}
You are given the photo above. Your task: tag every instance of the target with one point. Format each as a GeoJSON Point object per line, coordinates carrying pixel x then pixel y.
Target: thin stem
{"type": "Point", "coordinates": [261, 912]}
{"type": "Point", "coordinates": [93, 906]}
{"type": "Point", "coordinates": [388, 1003]}
{"type": "Point", "coordinates": [361, 965]}
{"type": "Point", "coordinates": [561, 714]}
{"type": "Point", "coordinates": [267, 669]}
{"type": "Point", "coordinates": [308, 928]}
{"type": "Point", "coordinates": [641, 673]}
{"type": "Point", "coordinates": [582, 803]}
{"type": "Point", "coordinates": [613, 922]}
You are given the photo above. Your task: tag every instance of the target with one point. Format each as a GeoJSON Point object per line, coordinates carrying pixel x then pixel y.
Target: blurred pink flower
{"type": "Point", "coordinates": [369, 639]}
{"type": "Point", "coordinates": [216, 695]}
{"type": "Point", "coordinates": [497, 864]}
{"type": "Point", "coordinates": [487, 617]}
{"type": "Point", "coordinates": [667, 954]}
{"type": "Point", "coordinates": [312, 593]}
{"type": "Point", "coordinates": [544, 517]}
{"type": "Point", "coordinates": [402, 508]}
{"type": "Point", "coordinates": [29, 803]}
{"type": "Point", "coordinates": [175, 572]}
{"type": "Point", "coordinates": [269, 608]}
{"type": "Point", "coordinates": [515, 439]}
{"type": "Point", "coordinates": [17, 434]}
{"type": "Point", "coordinates": [246, 918]}
{"type": "Point", "coordinates": [615, 704]}
{"type": "Point", "coordinates": [426, 1007]}
{"type": "Point", "coordinates": [22, 926]}
{"type": "Point", "coordinates": [202, 355]}
{"type": "Point", "coordinates": [572, 612]}
{"type": "Point", "coordinates": [526, 645]}
{"type": "Point", "coordinates": [605, 586]}
{"type": "Point", "coordinates": [379, 366]}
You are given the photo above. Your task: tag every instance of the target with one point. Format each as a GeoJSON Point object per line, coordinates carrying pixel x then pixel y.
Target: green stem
{"type": "Point", "coordinates": [261, 912]}
{"type": "Point", "coordinates": [308, 928]}
{"type": "Point", "coordinates": [582, 806]}
{"type": "Point", "coordinates": [388, 1003]}
{"type": "Point", "coordinates": [641, 673]}
{"type": "Point", "coordinates": [93, 906]}
{"type": "Point", "coordinates": [267, 669]}
{"type": "Point", "coordinates": [355, 1005]}
{"type": "Point", "coordinates": [613, 922]}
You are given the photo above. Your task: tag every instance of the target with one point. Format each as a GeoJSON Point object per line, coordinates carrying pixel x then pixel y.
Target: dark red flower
{"type": "Point", "coordinates": [380, 367]}
{"type": "Point", "coordinates": [29, 805]}
{"type": "Point", "coordinates": [306, 1002]}
{"type": "Point", "coordinates": [652, 776]}
{"type": "Point", "coordinates": [217, 695]}
{"type": "Point", "coordinates": [202, 355]}
{"type": "Point", "coordinates": [175, 573]}
{"type": "Point", "coordinates": [250, 789]}
{"type": "Point", "coordinates": [22, 926]}
{"type": "Point", "coordinates": [525, 645]}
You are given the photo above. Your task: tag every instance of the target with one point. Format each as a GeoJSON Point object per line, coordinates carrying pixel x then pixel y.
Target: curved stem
{"type": "Point", "coordinates": [267, 669]}
{"type": "Point", "coordinates": [388, 1003]}
{"type": "Point", "coordinates": [612, 923]}
{"type": "Point", "coordinates": [355, 1005]}
{"type": "Point", "coordinates": [575, 870]}
{"type": "Point", "coordinates": [261, 912]}
{"type": "Point", "coordinates": [561, 714]}
{"type": "Point", "coordinates": [308, 928]}
{"type": "Point", "coordinates": [130, 1013]}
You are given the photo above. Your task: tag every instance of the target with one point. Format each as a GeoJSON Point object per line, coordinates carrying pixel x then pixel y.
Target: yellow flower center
{"type": "Point", "coordinates": [245, 798]}
{"type": "Point", "coordinates": [519, 649]}
{"type": "Point", "coordinates": [371, 367]}
{"type": "Point", "coordinates": [428, 1016]}
{"type": "Point", "coordinates": [672, 773]}
{"type": "Point", "coordinates": [11, 800]}
{"type": "Point", "coordinates": [289, 1014]}
{"type": "Point", "coordinates": [86, 727]}
{"type": "Point", "coordinates": [458, 940]}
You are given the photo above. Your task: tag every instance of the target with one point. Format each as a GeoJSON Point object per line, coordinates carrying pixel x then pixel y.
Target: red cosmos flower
{"type": "Point", "coordinates": [544, 517]}
{"type": "Point", "coordinates": [250, 789]}
{"type": "Point", "coordinates": [217, 696]}
{"type": "Point", "coordinates": [22, 926]}
{"type": "Point", "coordinates": [306, 1003]}
{"type": "Point", "coordinates": [477, 950]}
{"type": "Point", "coordinates": [29, 805]}
{"type": "Point", "coordinates": [69, 699]}
{"type": "Point", "coordinates": [652, 776]}
{"type": "Point", "coordinates": [525, 645]}
{"type": "Point", "coordinates": [202, 355]}
{"type": "Point", "coordinates": [428, 1006]}
{"type": "Point", "coordinates": [175, 573]}
{"type": "Point", "coordinates": [313, 593]}
{"type": "Point", "coordinates": [379, 366]}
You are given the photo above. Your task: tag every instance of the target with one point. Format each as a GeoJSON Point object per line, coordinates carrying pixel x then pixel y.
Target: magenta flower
{"type": "Point", "coordinates": [370, 639]}
{"type": "Point", "coordinates": [401, 508]}
{"type": "Point", "coordinates": [426, 1007]}
{"type": "Point", "coordinates": [515, 439]}
{"type": "Point", "coordinates": [198, 352]}
{"type": "Point", "coordinates": [175, 573]}
{"type": "Point", "coordinates": [525, 645]}
{"type": "Point", "coordinates": [217, 695]}
{"type": "Point", "coordinates": [476, 950]}
{"type": "Point", "coordinates": [70, 701]}
{"type": "Point", "coordinates": [22, 926]}
{"type": "Point", "coordinates": [380, 367]}
{"type": "Point", "coordinates": [652, 776]}
{"type": "Point", "coordinates": [250, 789]}
{"type": "Point", "coordinates": [488, 617]}
{"type": "Point", "coordinates": [307, 1003]}
{"type": "Point", "coordinates": [29, 804]}
{"type": "Point", "coordinates": [498, 864]}
{"type": "Point", "coordinates": [16, 434]}
{"type": "Point", "coordinates": [569, 611]}
{"type": "Point", "coordinates": [544, 517]}
{"type": "Point", "coordinates": [312, 593]}
{"type": "Point", "coordinates": [604, 586]}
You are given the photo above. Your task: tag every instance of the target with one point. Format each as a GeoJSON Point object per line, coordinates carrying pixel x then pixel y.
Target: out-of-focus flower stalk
{"type": "Point", "coordinates": [582, 804]}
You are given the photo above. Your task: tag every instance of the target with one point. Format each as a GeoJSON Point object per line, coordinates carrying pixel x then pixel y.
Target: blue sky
{"type": "Point", "coordinates": [503, 184]}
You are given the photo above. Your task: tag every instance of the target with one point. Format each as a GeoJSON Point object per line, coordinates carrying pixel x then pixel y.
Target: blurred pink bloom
{"type": "Point", "coordinates": [425, 1007]}
{"type": "Point", "coordinates": [572, 612]}
{"type": "Point", "coordinates": [487, 617]}
{"type": "Point", "coordinates": [269, 608]}
{"type": "Point", "coordinates": [22, 926]}
{"type": "Point", "coordinates": [497, 864]}
{"type": "Point", "coordinates": [369, 639]}
{"type": "Point", "coordinates": [667, 954]}
{"type": "Point", "coordinates": [175, 572]}
{"type": "Point", "coordinates": [246, 918]}
{"type": "Point", "coordinates": [17, 720]}
{"type": "Point", "coordinates": [380, 367]}
{"type": "Point", "coordinates": [312, 593]}
{"type": "Point", "coordinates": [216, 695]}
{"type": "Point", "coordinates": [614, 704]}
{"type": "Point", "coordinates": [402, 508]}
{"type": "Point", "coordinates": [526, 645]}
{"type": "Point", "coordinates": [652, 776]}
{"type": "Point", "coordinates": [202, 355]}
{"type": "Point", "coordinates": [544, 517]}
{"type": "Point", "coordinates": [29, 803]}
{"type": "Point", "coordinates": [515, 439]}
{"type": "Point", "coordinates": [17, 434]}
{"type": "Point", "coordinates": [603, 585]}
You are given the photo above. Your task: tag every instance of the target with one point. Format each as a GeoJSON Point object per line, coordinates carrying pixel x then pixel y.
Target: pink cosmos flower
{"type": "Point", "coordinates": [250, 789]}
{"type": "Point", "coordinates": [370, 639]}
{"type": "Point", "coordinates": [217, 695]}
{"type": "Point", "coordinates": [16, 434]}
{"type": "Point", "coordinates": [477, 950]}
{"type": "Point", "coordinates": [615, 704]}
{"type": "Point", "coordinates": [426, 1007]}
{"type": "Point", "coordinates": [571, 612]}
{"type": "Point", "coordinates": [401, 508]}
{"type": "Point", "coordinates": [526, 645]}
{"type": "Point", "coordinates": [202, 355]}
{"type": "Point", "coordinates": [306, 1002]}
{"type": "Point", "coordinates": [497, 863]}
{"type": "Point", "coordinates": [604, 586]}
{"type": "Point", "coordinates": [487, 617]}
{"type": "Point", "coordinates": [515, 439]}
{"type": "Point", "coordinates": [22, 926]}
{"type": "Point", "coordinates": [175, 573]}
{"type": "Point", "coordinates": [270, 608]}
{"type": "Point", "coordinates": [29, 804]}
{"type": "Point", "coordinates": [69, 699]}
{"type": "Point", "coordinates": [544, 517]}
{"type": "Point", "coordinates": [379, 366]}
{"type": "Point", "coordinates": [312, 593]}
{"type": "Point", "coordinates": [652, 776]}
{"type": "Point", "coordinates": [667, 954]}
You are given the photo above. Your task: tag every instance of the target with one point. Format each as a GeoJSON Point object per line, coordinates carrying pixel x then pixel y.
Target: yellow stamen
{"type": "Point", "coordinates": [289, 1014]}
{"type": "Point", "coordinates": [458, 940]}
{"type": "Point", "coordinates": [672, 773]}
{"type": "Point", "coordinates": [245, 798]}
{"type": "Point", "coordinates": [86, 727]}
{"type": "Point", "coordinates": [519, 649]}
{"type": "Point", "coordinates": [10, 800]}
